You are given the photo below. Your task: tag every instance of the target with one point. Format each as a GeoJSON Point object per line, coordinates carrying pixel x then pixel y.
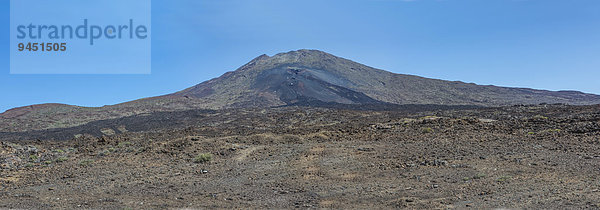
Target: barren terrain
{"type": "Point", "coordinates": [545, 156]}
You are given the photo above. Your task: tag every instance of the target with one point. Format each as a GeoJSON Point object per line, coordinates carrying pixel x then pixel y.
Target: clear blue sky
{"type": "Point", "coordinates": [546, 44]}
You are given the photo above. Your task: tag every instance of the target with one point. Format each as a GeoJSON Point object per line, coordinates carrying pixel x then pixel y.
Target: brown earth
{"type": "Point", "coordinates": [541, 157]}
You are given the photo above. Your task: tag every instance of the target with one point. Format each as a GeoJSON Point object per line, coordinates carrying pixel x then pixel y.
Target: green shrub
{"type": "Point", "coordinates": [104, 153]}
{"type": "Point", "coordinates": [141, 150]}
{"type": "Point", "coordinates": [61, 159]}
{"type": "Point", "coordinates": [86, 162]}
{"type": "Point", "coordinates": [202, 158]}
{"type": "Point", "coordinates": [479, 176]}
{"type": "Point", "coordinates": [503, 178]}
{"type": "Point", "coordinates": [33, 157]}
{"type": "Point", "coordinates": [551, 131]}
{"type": "Point", "coordinates": [124, 144]}
{"type": "Point", "coordinates": [427, 130]}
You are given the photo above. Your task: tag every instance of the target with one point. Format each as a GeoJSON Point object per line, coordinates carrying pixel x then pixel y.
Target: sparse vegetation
{"type": "Point", "coordinates": [33, 158]}
{"type": "Point", "coordinates": [141, 150]}
{"type": "Point", "coordinates": [407, 120]}
{"type": "Point", "coordinates": [551, 131]}
{"type": "Point", "coordinates": [85, 162]}
{"type": "Point", "coordinates": [104, 152]}
{"type": "Point", "coordinates": [108, 131]}
{"type": "Point", "coordinates": [322, 152]}
{"type": "Point", "coordinates": [479, 176]}
{"type": "Point", "coordinates": [503, 178]}
{"type": "Point", "coordinates": [123, 144]}
{"type": "Point", "coordinates": [202, 158]}
{"type": "Point", "coordinates": [61, 159]}
{"type": "Point", "coordinates": [427, 130]}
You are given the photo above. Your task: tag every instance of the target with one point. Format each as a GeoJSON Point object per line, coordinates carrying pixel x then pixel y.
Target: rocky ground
{"type": "Point", "coordinates": [539, 157]}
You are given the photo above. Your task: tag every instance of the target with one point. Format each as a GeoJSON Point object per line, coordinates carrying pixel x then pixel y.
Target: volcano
{"type": "Point", "coordinates": [303, 78]}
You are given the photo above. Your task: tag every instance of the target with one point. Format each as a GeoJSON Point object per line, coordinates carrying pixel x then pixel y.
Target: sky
{"type": "Point", "coordinates": [543, 44]}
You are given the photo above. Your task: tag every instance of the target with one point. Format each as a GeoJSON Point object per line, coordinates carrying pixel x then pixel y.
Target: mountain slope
{"type": "Point", "coordinates": [305, 77]}
{"type": "Point", "coordinates": [310, 74]}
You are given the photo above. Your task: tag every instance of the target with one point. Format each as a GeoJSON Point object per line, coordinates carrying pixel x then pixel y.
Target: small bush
{"type": "Point", "coordinates": [141, 150]}
{"type": "Point", "coordinates": [47, 162]}
{"type": "Point", "coordinates": [426, 130]}
{"type": "Point", "coordinates": [479, 176]}
{"type": "Point", "coordinates": [33, 157]}
{"type": "Point", "coordinates": [86, 162]}
{"type": "Point", "coordinates": [503, 178]}
{"type": "Point", "coordinates": [61, 159]}
{"type": "Point", "coordinates": [104, 153]}
{"type": "Point", "coordinates": [551, 131]}
{"type": "Point", "coordinates": [202, 158]}
{"type": "Point", "coordinates": [124, 144]}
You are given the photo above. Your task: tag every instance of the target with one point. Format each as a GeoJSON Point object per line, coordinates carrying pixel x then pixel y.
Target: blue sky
{"type": "Point", "coordinates": [546, 44]}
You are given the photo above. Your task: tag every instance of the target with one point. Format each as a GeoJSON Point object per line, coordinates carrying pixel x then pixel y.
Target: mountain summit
{"type": "Point", "coordinates": [311, 75]}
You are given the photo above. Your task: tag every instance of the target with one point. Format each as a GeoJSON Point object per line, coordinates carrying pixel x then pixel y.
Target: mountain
{"type": "Point", "coordinates": [303, 77]}
{"type": "Point", "coordinates": [298, 76]}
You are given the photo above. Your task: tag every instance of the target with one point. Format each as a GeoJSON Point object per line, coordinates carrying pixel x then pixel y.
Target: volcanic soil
{"type": "Point", "coordinates": [545, 156]}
